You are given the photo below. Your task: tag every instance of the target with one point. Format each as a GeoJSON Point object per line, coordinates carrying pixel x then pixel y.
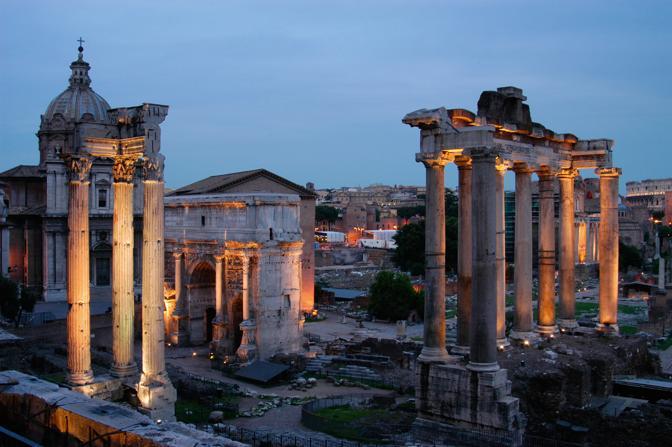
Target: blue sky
{"type": "Point", "coordinates": [315, 90]}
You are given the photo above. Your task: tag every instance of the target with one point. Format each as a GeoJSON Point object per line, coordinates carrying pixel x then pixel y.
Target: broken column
{"type": "Point", "coordinates": [123, 296]}
{"type": "Point", "coordinates": [502, 341]}
{"type": "Point", "coordinates": [179, 335]}
{"type": "Point", "coordinates": [79, 314]}
{"type": "Point", "coordinates": [523, 322]}
{"type": "Point", "coordinates": [155, 391]}
{"type": "Point", "coordinates": [567, 287]}
{"type": "Point", "coordinates": [546, 320]}
{"type": "Point", "coordinates": [608, 314]}
{"type": "Point", "coordinates": [247, 350]}
{"type": "Point", "coordinates": [434, 347]}
{"type": "Point", "coordinates": [463, 256]}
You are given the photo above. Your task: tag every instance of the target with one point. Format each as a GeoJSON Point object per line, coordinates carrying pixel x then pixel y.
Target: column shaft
{"type": "Point", "coordinates": [464, 257]}
{"type": "Point", "coordinates": [219, 288]}
{"type": "Point", "coordinates": [123, 303]}
{"type": "Point", "coordinates": [522, 324]}
{"type": "Point", "coordinates": [245, 288]}
{"type": "Point", "coordinates": [567, 292]}
{"type": "Point", "coordinates": [434, 349]}
{"type": "Point", "coordinates": [179, 334]}
{"type": "Point", "coordinates": [483, 337]}
{"type": "Point", "coordinates": [79, 315]}
{"type": "Point", "coordinates": [608, 249]}
{"type": "Point", "coordinates": [502, 341]}
{"type": "Point", "coordinates": [546, 254]}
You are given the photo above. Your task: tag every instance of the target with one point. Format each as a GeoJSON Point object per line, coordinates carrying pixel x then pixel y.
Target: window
{"type": "Point", "coordinates": [102, 198]}
{"type": "Point", "coordinates": [202, 221]}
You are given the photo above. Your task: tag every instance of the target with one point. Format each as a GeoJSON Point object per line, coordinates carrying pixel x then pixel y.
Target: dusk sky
{"type": "Point", "coordinates": [315, 90]}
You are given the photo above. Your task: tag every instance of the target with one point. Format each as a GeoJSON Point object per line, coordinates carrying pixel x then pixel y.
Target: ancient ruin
{"type": "Point", "coordinates": [453, 394]}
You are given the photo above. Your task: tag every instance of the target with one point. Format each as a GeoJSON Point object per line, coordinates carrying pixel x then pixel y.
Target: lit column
{"type": "Point", "coordinates": [523, 323]}
{"type": "Point", "coordinates": [434, 348]}
{"type": "Point", "coordinates": [502, 341]}
{"type": "Point", "coordinates": [463, 256]}
{"type": "Point", "coordinates": [155, 392]}
{"type": "Point", "coordinates": [123, 302]}
{"type": "Point", "coordinates": [247, 349]}
{"type": "Point", "coordinates": [582, 243]}
{"type": "Point", "coordinates": [567, 292]}
{"type": "Point", "coordinates": [483, 337]}
{"type": "Point", "coordinates": [219, 323]}
{"type": "Point", "coordinates": [546, 322]}
{"type": "Point", "coordinates": [179, 335]}
{"type": "Point", "coordinates": [608, 249]}
{"type": "Point", "coordinates": [79, 314]}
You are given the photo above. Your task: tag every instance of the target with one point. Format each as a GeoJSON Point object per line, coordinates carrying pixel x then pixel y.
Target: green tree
{"type": "Point", "coordinates": [391, 296]}
{"type": "Point", "coordinates": [406, 212]}
{"type": "Point", "coordinates": [324, 213]}
{"type": "Point", "coordinates": [629, 256]}
{"type": "Point", "coordinates": [410, 252]}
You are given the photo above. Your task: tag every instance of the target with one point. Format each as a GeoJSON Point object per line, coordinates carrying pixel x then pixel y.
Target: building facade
{"type": "Point", "coordinates": [38, 194]}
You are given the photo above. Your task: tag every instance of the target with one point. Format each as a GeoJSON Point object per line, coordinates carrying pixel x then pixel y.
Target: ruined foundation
{"type": "Point", "coordinates": [456, 404]}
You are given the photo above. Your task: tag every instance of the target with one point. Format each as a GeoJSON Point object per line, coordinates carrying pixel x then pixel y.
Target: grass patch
{"type": "Point", "coordinates": [417, 338]}
{"type": "Point", "coordinates": [629, 310]}
{"type": "Point", "coordinates": [58, 377]}
{"type": "Point", "coordinates": [628, 330]}
{"type": "Point", "coordinates": [359, 424]}
{"type": "Point", "coordinates": [450, 313]}
{"type": "Point", "coordinates": [586, 308]}
{"type": "Point", "coordinates": [347, 413]}
{"type": "Point", "coordinates": [191, 411]}
{"type": "Point", "coordinates": [663, 345]}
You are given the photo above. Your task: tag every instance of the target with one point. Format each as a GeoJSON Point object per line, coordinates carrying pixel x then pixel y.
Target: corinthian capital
{"type": "Point", "coordinates": [567, 173]}
{"type": "Point", "coordinates": [608, 172]}
{"type": "Point", "coordinates": [124, 168]}
{"type": "Point", "coordinates": [153, 167]}
{"type": "Point", "coordinates": [78, 167]}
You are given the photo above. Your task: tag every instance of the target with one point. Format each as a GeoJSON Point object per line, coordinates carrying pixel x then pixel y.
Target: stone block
{"type": "Point", "coordinates": [103, 387]}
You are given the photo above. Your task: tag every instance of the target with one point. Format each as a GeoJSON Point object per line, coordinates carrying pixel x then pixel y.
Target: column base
{"type": "Point", "coordinates": [433, 355]}
{"type": "Point", "coordinates": [527, 338]}
{"type": "Point", "coordinates": [567, 324]}
{"type": "Point", "coordinates": [122, 371]}
{"type": "Point", "coordinates": [607, 329]}
{"type": "Point", "coordinates": [80, 378]}
{"type": "Point", "coordinates": [547, 331]}
{"type": "Point", "coordinates": [246, 353]}
{"type": "Point", "coordinates": [157, 397]}
{"type": "Point", "coordinates": [503, 344]}
{"type": "Point", "coordinates": [483, 367]}
{"type": "Point", "coordinates": [460, 350]}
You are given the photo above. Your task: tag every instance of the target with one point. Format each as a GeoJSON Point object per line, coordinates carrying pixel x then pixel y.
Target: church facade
{"type": "Point", "coordinates": [37, 195]}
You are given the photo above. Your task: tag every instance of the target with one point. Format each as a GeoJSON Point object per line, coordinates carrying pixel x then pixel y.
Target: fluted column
{"type": "Point", "coordinates": [179, 334]}
{"type": "Point", "coordinates": [502, 341]}
{"type": "Point", "coordinates": [463, 256]}
{"type": "Point", "coordinates": [219, 323]}
{"type": "Point", "coordinates": [155, 392]}
{"type": "Point", "coordinates": [79, 314]}
{"type": "Point", "coordinates": [434, 348]}
{"type": "Point", "coordinates": [546, 321]}
{"type": "Point", "coordinates": [123, 303]}
{"type": "Point", "coordinates": [582, 244]}
{"type": "Point", "coordinates": [608, 249]}
{"type": "Point", "coordinates": [523, 322]}
{"type": "Point", "coordinates": [483, 337]}
{"type": "Point", "coordinates": [567, 292]}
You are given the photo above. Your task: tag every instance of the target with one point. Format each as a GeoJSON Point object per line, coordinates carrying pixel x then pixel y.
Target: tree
{"type": "Point", "coordinates": [629, 256]}
{"type": "Point", "coordinates": [406, 212]}
{"type": "Point", "coordinates": [9, 298]}
{"type": "Point", "coordinates": [391, 296]}
{"type": "Point", "coordinates": [410, 252]}
{"type": "Point", "coordinates": [324, 213]}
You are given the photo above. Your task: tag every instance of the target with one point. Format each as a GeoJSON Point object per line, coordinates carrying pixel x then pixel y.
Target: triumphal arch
{"type": "Point", "coordinates": [454, 393]}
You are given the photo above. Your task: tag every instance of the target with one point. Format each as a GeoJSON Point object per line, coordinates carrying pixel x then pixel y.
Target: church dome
{"type": "Point", "coordinates": [79, 102]}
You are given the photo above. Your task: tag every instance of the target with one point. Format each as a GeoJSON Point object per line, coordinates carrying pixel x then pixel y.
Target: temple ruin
{"type": "Point", "coordinates": [475, 394]}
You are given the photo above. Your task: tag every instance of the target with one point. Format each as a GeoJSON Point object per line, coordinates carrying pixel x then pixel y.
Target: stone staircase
{"type": "Point", "coordinates": [318, 365]}
{"type": "Point", "coordinates": [359, 373]}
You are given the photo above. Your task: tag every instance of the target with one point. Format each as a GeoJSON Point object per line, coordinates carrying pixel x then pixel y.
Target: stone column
{"type": "Point", "coordinates": [582, 244]}
{"type": "Point", "coordinates": [523, 322]}
{"type": "Point", "coordinates": [79, 314]}
{"type": "Point", "coordinates": [155, 391]}
{"type": "Point", "coordinates": [567, 292]}
{"type": "Point", "coordinates": [434, 348]}
{"type": "Point", "coordinates": [483, 336]}
{"type": "Point", "coordinates": [608, 249]}
{"type": "Point", "coordinates": [179, 335]}
{"type": "Point", "coordinates": [546, 321]}
{"type": "Point", "coordinates": [123, 296]}
{"type": "Point", "coordinates": [247, 350]}
{"type": "Point", "coordinates": [463, 256]}
{"type": "Point", "coordinates": [219, 323]}
{"type": "Point", "coordinates": [502, 341]}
